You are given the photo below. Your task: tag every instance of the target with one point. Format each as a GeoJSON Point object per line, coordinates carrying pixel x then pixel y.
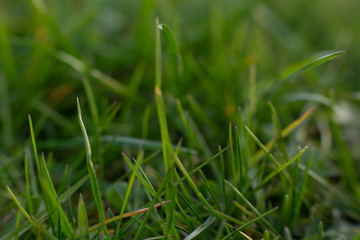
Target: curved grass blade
{"type": "Point", "coordinates": [301, 67]}
{"type": "Point", "coordinates": [284, 133]}
{"type": "Point", "coordinates": [174, 47]}
{"type": "Point", "coordinates": [83, 220]}
{"type": "Point", "coordinates": [93, 180]}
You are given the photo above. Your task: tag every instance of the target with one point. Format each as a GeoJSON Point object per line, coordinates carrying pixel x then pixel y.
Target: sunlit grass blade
{"type": "Point", "coordinates": [284, 133]}
{"type": "Point", "coordinates": [32, 220]}
{"type": "Point", "coordinates": [93, 180]}
{"type": "Point", "coordinates": [194, 234]}
{"type": "Point", "coordinates": [250, 222]}
{"type": "Point", "coordinates": [82, 220]}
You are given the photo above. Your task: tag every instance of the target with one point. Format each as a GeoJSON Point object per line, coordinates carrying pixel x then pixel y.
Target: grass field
{"type": "Point", "coordinates": [179, 119]}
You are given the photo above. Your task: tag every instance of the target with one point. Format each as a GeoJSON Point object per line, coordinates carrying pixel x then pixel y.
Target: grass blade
{"type": "Point", "coordinates": [93, 180]}
{"type": "Point", "coordinates": [284, 133]}
{"type": "Point", "coordinates": [250, 222]}
{"type": "Point", "coordinates": [302, 67]}
{"type": "Point", "coordinates": [282, 167]}
{"type": "Point", "coordinates": [201, 228]}
{"type": "Point", "coordinates": [32, 220]}
{"type": "Point", "coordinates": [51, 199]}
{"type": "Point", "coordinates": [128, 191]}
{"type": "Point", "coordinates": [83, 220]}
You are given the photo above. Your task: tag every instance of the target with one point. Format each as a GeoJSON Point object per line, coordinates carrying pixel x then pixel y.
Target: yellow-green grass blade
{"type": "Point", "coordinates": [168, 161]}
{"type": "Point", "coordinates": [93, 180]}
{"type": "Point", "coordinates": [284, 133]}
{"type": "Point", "coordinates": [31, 219]}
{"type": "Point", "coordinates": [52, 201]}
{"type": "Point", "coordinates": [83, 224]}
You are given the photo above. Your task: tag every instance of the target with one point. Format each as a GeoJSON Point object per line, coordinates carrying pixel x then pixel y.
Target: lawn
{"type": "Point", "coordinates": [150, 119]}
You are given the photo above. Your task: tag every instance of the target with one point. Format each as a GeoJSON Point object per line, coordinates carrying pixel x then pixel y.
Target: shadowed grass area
{"type": "Point", "coordinates": [198, 120]}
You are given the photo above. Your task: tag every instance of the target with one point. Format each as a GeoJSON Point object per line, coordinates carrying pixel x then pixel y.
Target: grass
{"type": "Point", "coordinates": [164, 120]}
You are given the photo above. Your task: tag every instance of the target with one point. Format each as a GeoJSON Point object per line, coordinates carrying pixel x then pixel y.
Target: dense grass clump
{"type": "Point", "coordinates": [178, 120]}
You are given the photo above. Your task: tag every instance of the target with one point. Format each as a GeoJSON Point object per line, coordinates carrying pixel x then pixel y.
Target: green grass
{"type": "Point", "coordinates": [178, 120]}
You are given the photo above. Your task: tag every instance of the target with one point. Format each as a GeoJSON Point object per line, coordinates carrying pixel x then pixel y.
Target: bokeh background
{"type": "Point", "coordinates": [54, 51]}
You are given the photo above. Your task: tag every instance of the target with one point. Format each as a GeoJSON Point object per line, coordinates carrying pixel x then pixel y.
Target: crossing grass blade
{"type": "Point", "coordinates": [280, 168]}
{"type": "Point", "coordinates": [128, 191]}
{"type": "Point", "coordinates": [194, 234]}
{"type": "Point", "coordinates": [246, 201]}
{"type": "Point", "coordinates": [52, 201]}
{"type": "Point", "coordinates": [250, 222]}
{"type": "Point", "coordinates": [93, 180]}
{"type": "Point", "coordinates": [83, 224]}
{"type": "Point", "coordinates": [284, 133]}
{"type": "Point", "coordinates": [31, 219]}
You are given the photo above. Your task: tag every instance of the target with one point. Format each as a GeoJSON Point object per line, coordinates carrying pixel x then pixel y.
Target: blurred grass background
{"type": "Point", "coordinates": [103, 52]}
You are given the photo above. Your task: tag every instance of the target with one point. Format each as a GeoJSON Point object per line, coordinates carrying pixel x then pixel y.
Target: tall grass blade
{"type": "Point", "coordinates": [128, 191]}
{"type": "Point", "coordinates": [93, 180]}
